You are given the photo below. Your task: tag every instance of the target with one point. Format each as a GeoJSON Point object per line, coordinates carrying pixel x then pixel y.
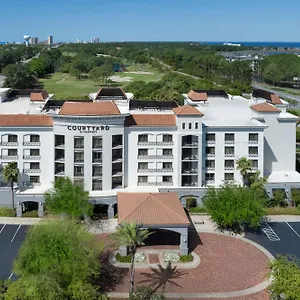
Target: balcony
{"type": "Point", "coordinates": [32, 171]}
{"type": "Point", "coordinates": [97, 146]}
{"type": "Point", "coordinates": [189, 144]}
{"type": "Point", "coordinates": [229, 154]}
{"type": "Point", "coordinates": [146, 143]}
{"type": "Point", "coordinates": [97, 160]}
{"type": "Point", "coordinates": [9, 144]}
{"type": "Point", "coordinates": [60, 145]}
{"type": "Point", "coordinates": [194, 183]}
{"type": "Point", "coordinates": [190, 171]}
{"type": "Point", "coordinates": [170, 143]}
{"type": "Point", "coordinates": [31, 157]}
{"type": "Point", "coordinates": [155, 156]}
{"type": "Point", "coordinates": [210, 154]}
{"type": "Point", "coordinates": [10, 157]}
{"type": "Point", "coordinates": [254, 168]}
{"type": "Point", "coordinates": [209, 182]}
{"type": "Point", "coordinates": [253, 154]}
{"type": "Point", "coordinates": [229, 142]}
{"type": "Point", "coordinates": [210, 168]}
{"type": "Point", "coordinates": [30, 184]}
{"type": "Point", "coordinates": [253, 142]}
{"type": "Point", "coordinates": [154, 170]}
{"type": "Point", "coordinates": [97, 174]}
{"type": "Point", "coordinates": [78, 161]}
{"type": "Point", "coordinates": [211, 142]}
{"type": "Point", "coordinates": [190, 157]}
{"type": "Point", "coordinates": [79, 174]}
{"type": "Point", "coordinates": [164, 156]}
{"type": "Point", "coordinates": [229, 168]}
{"type": "Point", "coordinates": [31, 144]}
{"type": "Point", "coordinates": [79, 146]}
{"type": "Point", "coordinates": [60, 159]}
{"type": "Point", "coordinates": [165, 183]}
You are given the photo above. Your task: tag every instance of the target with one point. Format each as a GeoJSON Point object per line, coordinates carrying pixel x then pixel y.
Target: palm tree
{"type": "Point", "coordinates": [10, 174]}
{"type": "Point", "coordinates": [131, 235]}
{"type": "Point", "coordinates": [244, 165]}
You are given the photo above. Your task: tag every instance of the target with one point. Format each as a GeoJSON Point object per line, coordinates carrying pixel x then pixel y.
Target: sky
{"type": "Point", "coordinates": [151, 20]}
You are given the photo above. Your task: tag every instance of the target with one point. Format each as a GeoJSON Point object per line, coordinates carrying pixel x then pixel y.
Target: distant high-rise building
{"type": "Point", "coordinates": [34, 40]}
{"type": "Point", "coordinates": [50, 40]}
{"type": "Point", "coordinates": [95, 40]}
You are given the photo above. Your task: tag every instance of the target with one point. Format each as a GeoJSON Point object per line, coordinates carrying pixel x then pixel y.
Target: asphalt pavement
{"type": "Point", "coordinates": [11, 238]}
{"type": "Point", "coordinates": [280, 238]}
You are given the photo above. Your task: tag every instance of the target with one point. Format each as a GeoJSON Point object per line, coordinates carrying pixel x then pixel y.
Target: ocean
{"type": "Point", "coordinates": [260, 44]}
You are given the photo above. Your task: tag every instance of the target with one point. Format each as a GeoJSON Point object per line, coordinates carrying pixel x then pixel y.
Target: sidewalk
{"type": "Point", "coordinates": [18, 221]}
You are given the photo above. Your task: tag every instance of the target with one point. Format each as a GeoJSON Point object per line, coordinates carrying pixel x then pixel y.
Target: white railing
{"type": "Point", "coordinates": [153, 170]}
{"type": "Point", "coordinates": [117, 174]}
{"type": "Point", "coordinates": [210, 154]}
{"type": "Point", "coordinates": [146, 143]}
{"type": "Point", "coordinates": [193, 144]}
{"type": "Point", "coordinates": [229, 154]}
{"type": "Point", "coordinates": [210, 142]}
{"type": "Point", "coordinates": [253, 141]}
{"type": "Point", "coordinates": [164, 143]}
{"type": "Point", "coordinates": [155, 156]}
{"type": "Point", "coordinates": [165, 183]}
{"type": "Point", "coordinates": [9, 143]}
{"type": "Point", "coordinates": [32, 157]}
{"type": "Point", "coordinates": [191, 171]}
{"type": "Point", "coordinates": [229, 168]}
{"type": "Point", "coordinates": [10, 157]}
{"type": "Point", "coordinates": [209, 181]}
{"type": "Point", "coordinates": [31, 144]}
{"type": "Point", "coordinates": [253, 154]}
{"type": "Point", "coordinates": [229, 142]}
{"type": "Point", "coordinates": [210, 168]}
{"type": "Point", "coordinates": [31, 170]}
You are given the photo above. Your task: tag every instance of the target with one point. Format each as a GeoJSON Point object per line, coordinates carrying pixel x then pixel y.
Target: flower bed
{"type": "Point", "coordinates": [139, 257]}
{"type": "Point", "coordinates": [171, 256]}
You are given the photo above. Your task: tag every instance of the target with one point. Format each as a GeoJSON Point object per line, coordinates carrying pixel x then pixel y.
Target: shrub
{"type": "Point", "coordinates": [296, 196]}
{"type": "Point", "coordinates": [198, 209]}
{"type": "Point", "coordinates": [186, 258]}
{"type": "Point", "coordinates": [30, 214]}
{"type": "Point", "coordinates": [279, 198]}
{"type": "Point", "coordinates": [123, 259]}
{"type": "Point", "coordinates": [7, 212]}
{"type": "Point", "coordinates": [146, 293]}
{"type": "Point", "coordinates": [191, 202]}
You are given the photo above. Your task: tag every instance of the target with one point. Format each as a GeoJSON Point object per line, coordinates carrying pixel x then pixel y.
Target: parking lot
{"type": "Point", "coordinates": [278, 237]}
{"type": "Point", "coordinates": [11, 238]}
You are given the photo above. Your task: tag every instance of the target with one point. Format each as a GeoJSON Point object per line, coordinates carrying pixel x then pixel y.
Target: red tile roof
{"type": "Point", "coordinates": [149, 120]}
{"type": "Point", "coordinates": [275, 99]}
{"type": "Point", "coordinates": [187, 110]}
{"type": "Point", "coordinates": [41, 96]}
{"type": "Point", "coordinates": [197, 96]}
{"type": "Point", "coordinates": [25, 120]}
{"type": "Point", "coordinates": [151, 209]}
{"type": "Point", "coordinates": [265, 107]}
{"type": "Point", "coordinates": [89, 108]}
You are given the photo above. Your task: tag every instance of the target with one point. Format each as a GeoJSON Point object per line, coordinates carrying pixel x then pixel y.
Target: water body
{"type": "Point", "coordinates": [259, 44]}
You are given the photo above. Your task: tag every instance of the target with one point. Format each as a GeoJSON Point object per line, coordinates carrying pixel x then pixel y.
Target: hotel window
{"type": "Point", "coordinates": [79, 182]}
{"type": "Point", "coordinates": [34, 138]}
{"type": "Point", "coordinates": [210, 150]}
{"type": "Point", "coordinates": [97, 142]}
{"type": "Point", "coordinates": [167, 152]}
{"type": "Point", "coordinates": [34, 179]}
{"type": "Point", "coordinates": [79, 157]}
{"type": "Point", "coordinates": [167, 138]}
{"type": "Point", "coordinates": [229, 151]}
{"type": "Point", "coordinates": [229, 164]}
{"type": "Point", "coordinates": [34, 166]}
{"type": "Point", "coordinates": [210, 176]}
{"type": "Point", "coordinates": [210, 164]}
{"type": "Point", "coordinates": [229, 176]}
{"type": "Point", "coordinates": [78, 171]}
{"type": "Point", "coordinates": [97, 171]}
{"type": "Point", "coordinates": [96, 185]}
{"type": "Point", "coordinates": [211, 137]}
{"type": "Point", "coordinates": [34, 152]}
{"type": "Point", "coordinates": [254, 164]}
{"type": "Point", "coordinates": [12, 152]}
{"type": "Point", "coordinates": [12, 138]}
{"type": "Point", "coordinates": [253, 151]}
{"type": "Point", "coordinates": [229, 138]}
{"type": "Point", "coordinates": [143, 138]}
{"type": "Point", "coordinates": [167, 165]}
{"type": "Point", "coordinates": [78, 142]}
{"type": "Point", "coordinates": [253, 138]}
{"type": "Point", "coordinates": [142, 165]}
{"type": "Point", "coordinates": [59, 140]}
{"type": "Point", "coordinates": [142, 179]}
{"type": "Point", "coordinates": [183, 126]}
{"type": "Point", "coordinates": [190, 125]}
{"type": "Point", "coordinates": [117, 140]}
{"type": "Point", "coordinates": [196, 125]}
{"type": "Point", "coordinates": [97, 157]}
{"type": "Point", "coordinates": [142, 152]}
{"type": "Point", "coordinates": [167, 179]}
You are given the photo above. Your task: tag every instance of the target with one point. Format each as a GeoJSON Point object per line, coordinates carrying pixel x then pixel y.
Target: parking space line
{"type": "Point", "coordinates": [11, 275]}
{"type": "Point", "coordinates": [293, 229]}
{"type": "Point", "coordinates": [2, 228]}
{"type": "Point", "coordinates": [15, 233]}
{"type": "Point", "coordinates": [269, 232]}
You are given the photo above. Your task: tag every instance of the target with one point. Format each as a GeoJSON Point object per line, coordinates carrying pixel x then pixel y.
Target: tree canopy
{"type": "Point", "coordinates": [232, 206]}
{"type": "Point", "coordinates": [57, 260]}
{"type": "Point", "coordinates": [68, 198]}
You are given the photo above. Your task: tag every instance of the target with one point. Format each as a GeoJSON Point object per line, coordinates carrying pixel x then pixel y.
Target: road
{"type": "Point", "coordinates": [279, 93]}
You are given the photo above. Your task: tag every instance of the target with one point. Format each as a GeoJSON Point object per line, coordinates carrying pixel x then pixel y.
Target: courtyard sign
{"type": "Point", "coordinates": [88, 128]}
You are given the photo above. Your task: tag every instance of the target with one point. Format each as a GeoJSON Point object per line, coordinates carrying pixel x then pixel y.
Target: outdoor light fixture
{"type": "Point", "coordinates": [184, 240]}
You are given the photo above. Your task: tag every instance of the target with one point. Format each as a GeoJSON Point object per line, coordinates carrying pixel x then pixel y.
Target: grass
{"type": "Point", "coordinates": [123, 259]}
{"type": "Point", "coordinates": [283, 211]}
{"type": "Point", "coordinates": [186, 258]}
{"type": "Point", "coordinates": [141, 77]}
{"type": "Point", "coordinates": [7, 212]}
{"type": "Point", "coordinates": [283, 89]}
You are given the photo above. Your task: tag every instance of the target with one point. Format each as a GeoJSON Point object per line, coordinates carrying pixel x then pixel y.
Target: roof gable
{"type": "Point", "coordinates": [110, 93]}
{"type": "Point", "coordinates": [187, 110]}
{"type": "Point", "coordinates": [40, 96]}
{"type": "Point", "coordinates": [89, 108]}
{"type": "Point", "coordinates": [25, 120]}
{"type": "Point", "coordinates": [197, 96]}
{"type": "Point", "coordinates": [149, 120]}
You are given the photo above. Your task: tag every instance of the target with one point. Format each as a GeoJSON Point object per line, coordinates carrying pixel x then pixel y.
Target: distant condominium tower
{"type": "Point", "coordinates": [50, 40]}
{"type": "Point", "coordinates": [34, 40]}
{"type": "Point", "coordinates": [95, 40]}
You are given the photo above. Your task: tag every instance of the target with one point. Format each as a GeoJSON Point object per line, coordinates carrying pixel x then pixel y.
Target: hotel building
{"type": "Point", "coordinates": [112, 143]}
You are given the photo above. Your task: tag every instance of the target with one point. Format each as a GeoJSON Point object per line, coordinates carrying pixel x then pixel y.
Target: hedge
{"type": "Point", "coordinates": [186, 258]}
{"type": "Point", "coordinates": [7, 212]}
{"type": "Point", "coordinates": [123, 259]}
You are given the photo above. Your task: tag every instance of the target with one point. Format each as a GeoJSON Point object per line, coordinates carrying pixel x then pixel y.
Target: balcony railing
{"type": "Point", "coordinates": [117, 145]}
{"type": "Point", "coordinates": [61, 159]}
{"type": "Point", "coordinates": [253, 141]}
{"type": "Point", "coordinates": [97, 161]}
{"type": "Point", "coordinates": [210, 168]}
{"type": "Point", "coordinates": [78, 146]}
{"type": "Point", "coordinates": [146, 143]}
{"type": "Point", "coordinates": [229, 155]}
{"type": "Point", "coordinates": [10, 157]}
{"type": "Point", "coordinates": [78, 174]}
{"type": "Point", "coordinates": [31, 143]}
{"type": "Point", "coordinates": [117, 158]}
{"type": "Point", "coordinates": [62, 145]}
{"type": "Point", "coordinates": [9, 143]}
{"type": "Point", "coordinates": [210, 142]}
{"type": "Point", "coordinates": [193, 183]}
{"type": "Point", "coordinates": [155, 156]}
{"type": "Point", "coordinates": [96, 174]}
{"type": "Point", "coordinates": [165, 183]}
{"type": "Point", "coordinates": [30, 184]}
{"type": "Point", "coordinates": [169, 143]}
{"type": "Point", "coordinates": [97, 146]}
{"type": "Point", "coordinates": [31, 170]}
{"type": "Point", "coordinates": [154, 170]}
{"type": "Point", "coordinates": [191, 171]}
{"type": "Point", "coordinates": [210, 154]}
{"type": "Point", "coordinates": [32, 157]}
{"type": "Point", "coordinates": [59, 173]}
{"type": "Point", "coordinates": [79, 160]}
{"type": "Point", "coordinates": [254, 168]}
{"type": "Point", "coordinates": [209, 181]}
{"type": "Point", "coordinates": [190, 144]}
{"type": "Point", "coordinates": [253, 154]}
{"type": "Point", "coordinates": [155, 143]}
{"type": "Point", "coordinates": [119, 173]}
{"type": "Point", "coordinates": [227, 168]}
{"type": "Point", "coordinates": [229, 142]}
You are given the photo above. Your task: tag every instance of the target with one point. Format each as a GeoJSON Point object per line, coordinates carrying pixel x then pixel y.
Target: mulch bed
{"type": "Point", "coordinates": [153, 258]}
{"type": "Point", "coordinates": [227, 264]}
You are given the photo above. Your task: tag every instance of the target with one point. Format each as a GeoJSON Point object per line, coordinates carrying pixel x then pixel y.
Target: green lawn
{"type": "Point", "coordinates": [141, 77]}
{"type": "Point", "coordinates": [284, 89]}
